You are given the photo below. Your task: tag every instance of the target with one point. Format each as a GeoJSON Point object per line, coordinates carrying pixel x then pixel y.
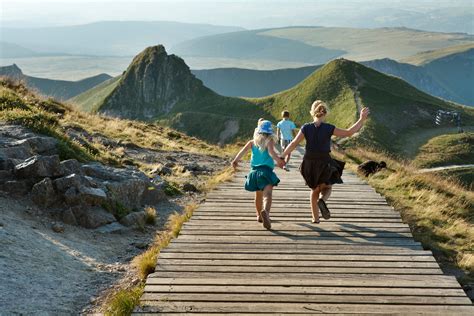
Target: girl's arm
{"type": "Point", "coordinates": [242, 152]}
{"type": "Point", "coordinates": [271, 151]}
{"type": "Point", "coordinates": [293, 144]}
{"type": "Point", "coordinates": [354, 128]}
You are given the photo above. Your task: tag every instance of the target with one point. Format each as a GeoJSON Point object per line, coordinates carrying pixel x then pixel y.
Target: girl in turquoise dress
{"type": "Point", "coordinates": [261, 178]}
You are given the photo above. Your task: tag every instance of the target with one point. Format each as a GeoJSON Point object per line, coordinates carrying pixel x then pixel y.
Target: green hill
{"type": "Point", "coordinates": [58, 89]}
{"type": "Point", "coordinates": [430, 55]}
{"type": "Point", "coordinates": [397, 108]}
{"type": "Point", "coordinates": [160, 87]}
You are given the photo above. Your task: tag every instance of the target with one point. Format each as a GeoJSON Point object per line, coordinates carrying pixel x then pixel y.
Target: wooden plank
{"type": "Point", "coordinates": [427, 257]}
{"type": "Point", "coordinates": [325, 290]}
{"type": "Point", "coordinates": [256, 270]}
{"type": "Point", "coordinates": [297, 263]}
{"type": "Point", "coordinates": [329, 280]}
{"type": "Point", "coordinates": [303, 308]}
{"type": "Point", "coordinates": [295, 234]}
{"type": "Point", "coordinates": [304, 298]}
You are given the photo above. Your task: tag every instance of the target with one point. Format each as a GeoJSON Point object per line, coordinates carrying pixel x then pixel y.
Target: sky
{"type": "Point", "coordinates": [245, 13]}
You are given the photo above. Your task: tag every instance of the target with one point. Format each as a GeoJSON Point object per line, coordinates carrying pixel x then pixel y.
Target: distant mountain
{"type": "Point", "coordinates": [112, 38]}
{"type": "Point", "coordinates": [303, 46]}
{"type": "Point", "coordinates": [8, 50]}
{"type": "Point", "coordinates": [158, 86]}
{"type": "Point", "coordinates": [58, 89]}
{"type": "Point", "coordinates": [447, 74]}
{"type": "Point", "coordinates": [238, 82]}
{"type": "Point", "coordinates": [398, 110]}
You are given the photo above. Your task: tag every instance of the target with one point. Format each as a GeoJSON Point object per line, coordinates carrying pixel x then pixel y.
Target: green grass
{"type": "Point", "coordinates": [444, 150]}
{"type": "Point", "coordinates": [463, 176]}
{"type": "Point", "coordinates": [91, 99]}
{"type": "Point", "coordinates": [439, 211]}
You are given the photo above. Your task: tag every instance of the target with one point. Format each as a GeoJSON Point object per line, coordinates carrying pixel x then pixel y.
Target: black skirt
{"type": "Point", "coordinates": [319, 168]}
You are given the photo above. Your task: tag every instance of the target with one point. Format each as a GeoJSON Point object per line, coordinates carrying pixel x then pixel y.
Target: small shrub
{"type": "Point", "coordinates": [150, 215]}
{"type": "Point", "coordinates": [124, 301]}
{"type": "Point", "coordinates": [171, 189]}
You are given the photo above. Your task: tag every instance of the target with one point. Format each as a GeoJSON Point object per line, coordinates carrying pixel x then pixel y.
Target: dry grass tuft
{"type": "Point", "coordinates": [124, 301]}
{"type": "Point", "coordinates": [150, 215]}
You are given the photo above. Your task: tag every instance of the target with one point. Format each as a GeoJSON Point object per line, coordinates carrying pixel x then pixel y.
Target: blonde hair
{"type": "Point", "coordinates": [318, 109]}
{"type": "Point", "coordinates": [262, 140]}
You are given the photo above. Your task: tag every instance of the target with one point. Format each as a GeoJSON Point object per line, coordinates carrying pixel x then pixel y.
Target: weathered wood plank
{"type": "Point", "coordinates": [303, 308]}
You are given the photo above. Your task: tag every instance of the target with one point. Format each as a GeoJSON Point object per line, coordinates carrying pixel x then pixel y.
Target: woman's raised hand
{"type": "Point", "coordinates": [364, 113]}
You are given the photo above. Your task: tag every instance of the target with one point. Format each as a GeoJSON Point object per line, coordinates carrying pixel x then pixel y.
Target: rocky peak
{"type": "Point", "coordinates": [152, 85]}
{"type": "Point", "coordinates": [12, 71]}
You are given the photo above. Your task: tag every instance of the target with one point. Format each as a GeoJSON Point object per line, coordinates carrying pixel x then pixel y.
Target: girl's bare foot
{"type": "Point", "coordinates": [315, 221]}
{"type": "Point", "coordinates": [259, 218]}
{"type": "Point", "coordinates": [266, 219]}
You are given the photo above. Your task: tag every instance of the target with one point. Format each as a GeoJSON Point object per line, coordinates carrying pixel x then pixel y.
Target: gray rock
{"type": "Point", "coordinates": [72, 197]}
{"type": "Point", "coordinates": [92, 196]}
{"type": "Point", "coordinates": [114, 227]}
{"type": "Point", "coordinates": [71, 166]}
{"type": "Point", "coordinates": [43, 193]}
{"type": "Point", "coordinates": [5, 175]}
{"type": "Point", "coordinates": [68, 217]}
{"type": "Point", "coordinates": [71, 181]}
{"type": "Point", "coordinates": [135, 219]}
{"type": "Point", "coordinates": [18, 152]}
{"type": "Point", "coordinates": [189, 187]}
{"type": "Point", "coordinates": [99, 171]}
{"type": "Point", "coordinates": [58, 228]}
{"type": "Point", "coordinates": [39, 144]}
{"type": "Point", "coordinates": [162, 170]}
{"type": "Point", "coordinates": [92, 217]}
{"type": "Point", "coordinates": [129, 193]}
{"type": "Point", "coordinates": [16, 187]}
{"type": "Point", "coordinates": [39, 167]}
{"type": "Point", "coordinates": [152, 195]}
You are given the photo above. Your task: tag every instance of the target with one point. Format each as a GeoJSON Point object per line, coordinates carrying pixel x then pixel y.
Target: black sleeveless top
{"type": "Point", "coordinates": [318, 138]}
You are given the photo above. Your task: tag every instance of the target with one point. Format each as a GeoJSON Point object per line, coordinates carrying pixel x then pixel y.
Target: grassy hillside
{"type": "Point", "coordinates": [91, 99]}
{"type": "Point", "coordinates": [57, 89]}
{"type": "Point", "coordinates": [445, 150]}
{"type": "Point", "coordinates": [396, 107]}
{"type": "Point", "coordinates": [297, 44]}
{"type": "Point", "coordinates": [20, 106]}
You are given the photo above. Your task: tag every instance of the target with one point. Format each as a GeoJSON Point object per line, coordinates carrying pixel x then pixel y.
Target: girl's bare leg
{"type": "Point", "coordinates": [258, 202]}
{"type": "Point", "coordinates": [267, 197]}
{"type": "Point", "coordinates": [326, 191]}
{"type": "Point", "coordinates": [314, 203]}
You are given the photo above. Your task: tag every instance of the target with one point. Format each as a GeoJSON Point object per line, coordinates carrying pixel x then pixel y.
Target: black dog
{"type": "Point", "coordinates": [370, 167]}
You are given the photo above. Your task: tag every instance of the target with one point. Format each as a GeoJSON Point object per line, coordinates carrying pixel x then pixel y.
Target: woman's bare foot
{"type": "Point", "coordinates": [266, 219]}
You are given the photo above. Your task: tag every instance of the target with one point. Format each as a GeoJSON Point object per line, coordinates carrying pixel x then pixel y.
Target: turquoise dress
{"type": "Point", "coordinates": [261, 173]}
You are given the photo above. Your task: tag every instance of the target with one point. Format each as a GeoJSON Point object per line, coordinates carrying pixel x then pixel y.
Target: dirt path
{"type": "Point", "coordinates": [60, 273]}
{"type": "Point", "coordinates": [445, 168]}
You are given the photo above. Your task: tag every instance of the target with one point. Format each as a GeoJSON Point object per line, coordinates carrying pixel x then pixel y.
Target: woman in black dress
{"type": "Point", "coordinates": [318, 169]}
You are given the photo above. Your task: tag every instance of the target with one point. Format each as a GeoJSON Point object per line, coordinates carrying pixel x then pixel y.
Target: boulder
{"type": "Point", "coordinates": [128, 193]}
{"type": "Point", "coordinates": [39, 144]}
{"type": "Point", "coordinates": [152, 195]}
{"type": "Point", "coordinates": [71, 181]}
{"type": "Point", "coordinates": [43, 193]}
{"type": "Point", "coordinates": [99, 171]}
{"type": "Point", "coordinates": [92, 217]}
{"type": "Point", "coordinates": [136, 219]}
{"type": "Point", "coordinates": [68, 217]}
{"type": "Point", "coordinates": [16, 187]}
{"type": "Point", "coordinates": [39, 167]}
{"type": "Point", "coordinates": [17, 152]}
{"type": "Point", "coordinates": [83, 195]}
{"type": "Point", "coordinates": [71, 166]}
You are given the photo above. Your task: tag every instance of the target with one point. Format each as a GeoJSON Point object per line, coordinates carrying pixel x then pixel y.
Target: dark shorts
{"type": "Point", "coordinates": [259, 177]}
{"type": "Point", "coordinates": [321, 168]}
{"type": "Point", "coordinates": [284, 143]}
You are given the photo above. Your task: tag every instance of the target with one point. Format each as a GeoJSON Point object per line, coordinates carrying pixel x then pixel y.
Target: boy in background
{"type": "Point", "coordinates": [285, 130]}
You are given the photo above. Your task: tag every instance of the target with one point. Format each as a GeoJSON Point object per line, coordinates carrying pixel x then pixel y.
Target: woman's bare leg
{"type": "Point", "coordinates": [258, 202]}
{"type": "Point", "coordinates": [326, 191]}
{"type": "Point", "coordinates": [314, 203]}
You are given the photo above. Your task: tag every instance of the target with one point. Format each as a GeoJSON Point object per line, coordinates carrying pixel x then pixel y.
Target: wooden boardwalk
{"type": "Point", "coordinates": [363, 260]}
